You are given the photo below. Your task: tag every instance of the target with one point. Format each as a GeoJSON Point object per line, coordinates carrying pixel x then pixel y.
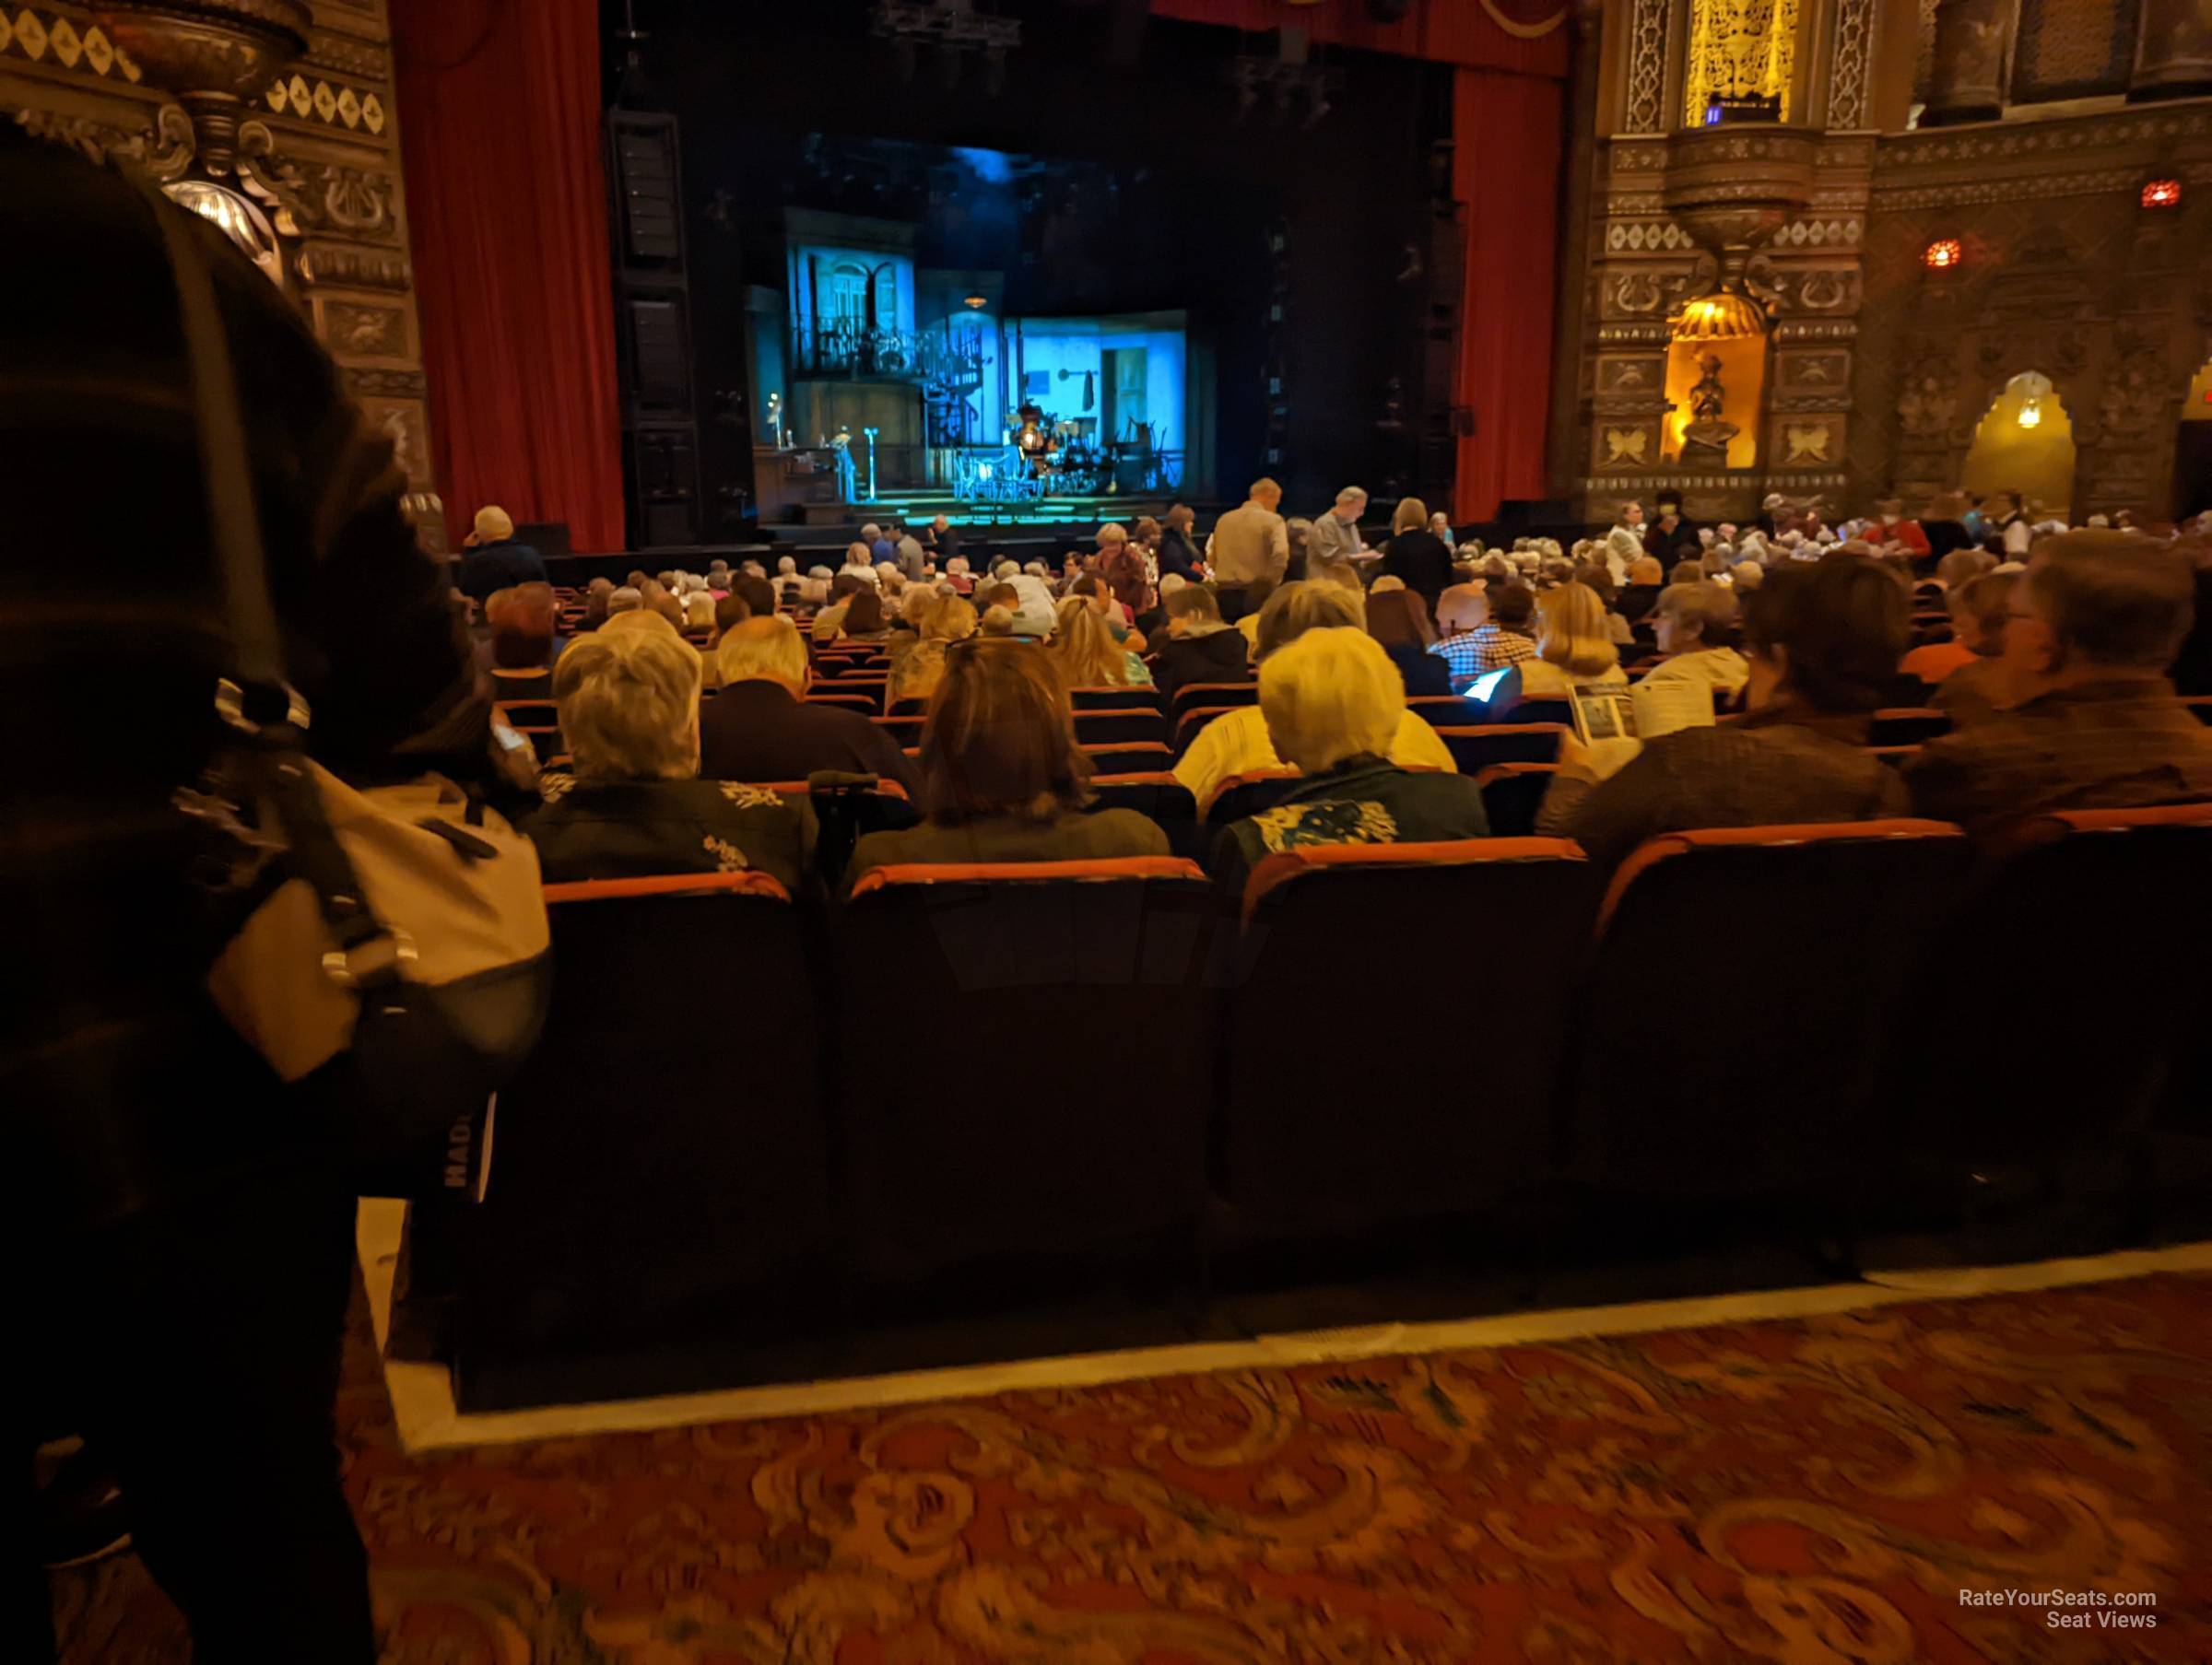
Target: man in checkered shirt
{"type": "Point", "coordinates": [1483, 630]}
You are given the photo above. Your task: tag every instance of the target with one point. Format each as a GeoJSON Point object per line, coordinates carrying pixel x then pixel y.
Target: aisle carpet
{"type": "Point", "coordinates": [1815, 1492]}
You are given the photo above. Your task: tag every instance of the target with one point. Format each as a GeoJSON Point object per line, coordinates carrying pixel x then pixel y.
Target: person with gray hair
{"type": "Point", "coordinates": [1237, 742]}
{"type": "Point", "coordinates": [760, 727]}
{"type": "Point", "coordinates": [1336, 533]}
{"type": "Point", "coordinates": [1693, 625]}
{"type": "Point", "coordinates": [635, 805]}
{"type": "Point", "coordinates": [624, 599]}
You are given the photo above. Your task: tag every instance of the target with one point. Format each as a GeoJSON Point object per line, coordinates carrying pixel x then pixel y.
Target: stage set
{"type": "Point", "coordinates": [881, 386]}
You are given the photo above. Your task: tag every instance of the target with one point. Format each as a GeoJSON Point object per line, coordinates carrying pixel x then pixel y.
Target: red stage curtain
{"type": "Point", "coordinates": [1530, 37]}
{"type": "Point", "coordinates": [500, 126]}
{"type": "Point", "coordinates": [1506, 133]}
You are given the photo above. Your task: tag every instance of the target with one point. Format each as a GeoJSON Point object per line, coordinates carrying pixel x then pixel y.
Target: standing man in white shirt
{"type": "Point", "coordinates": [1249, 542]}
{"type": "Point", "coordinates": [1337, 532]}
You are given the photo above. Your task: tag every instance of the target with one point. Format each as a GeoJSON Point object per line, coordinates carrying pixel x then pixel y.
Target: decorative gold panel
{"type": "Point", "coordinates": [1739, 49]}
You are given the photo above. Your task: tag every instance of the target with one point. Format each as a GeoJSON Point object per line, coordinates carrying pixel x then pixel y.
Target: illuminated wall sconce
{"type": "Point", "coordinates": [2162, 194]}
{"type": "Point", "coordinates": [1942, 255]}
{"type": "Point", "coordinates": [2032, 412]}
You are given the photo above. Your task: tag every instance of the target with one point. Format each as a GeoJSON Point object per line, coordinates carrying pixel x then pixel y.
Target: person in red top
{"type": "Point", "coordinates": [1892, 527]}
{"type": "Point", "coordinates": [1978, 610]}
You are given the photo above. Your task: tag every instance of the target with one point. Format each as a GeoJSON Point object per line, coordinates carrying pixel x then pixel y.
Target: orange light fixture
{"type": "Point", "coordinates": [2162, 194]}
{"type": "Point", "coordinates": [1942, 255]}
{"type": "Point", "coordinates": [1721, 316]}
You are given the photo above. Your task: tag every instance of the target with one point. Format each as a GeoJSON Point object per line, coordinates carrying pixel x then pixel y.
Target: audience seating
{"type": "Point", "coordinates": [1106, 728]}
{"type": "Point", "coordinates": [905, 728]}
{"type": "Point", "coordinates": [1247, 794]}
{"type": "Point", "coordinates": [1158, 795]}
{"type": "Point", "coordinates": [1556, 711]}
{"type": "Point", "coordinates": [2064, 1016]}
{"type": "Point", "coordinates": [2201, 704]}
{"type": "Point", "coordinates": [1474, 748]}
{"type": "Point", "coordinates": [1115, 697]}
{"type": "Point", "coordinates": [1899, 726]}
{"type": "Point", "coordinates": [538, 721]}
{"type": "Point", "coordinates": [1127, 757]}
{"type": "Point", "coordinates": [1216, 696]}
{"type": "Point", "coordinates": [1094, 1150]}
{"type": "Point", "coordinates": [1897, 756]}
{"type": "Point", "coordinates": [825, 694]}
{"type": "Point", "coordinates": [1399, 1104]}
{"type": "Point", "coordinates": [1512, 795]}
{"type": "Point", "coordinates": [1446, 710]}
{"type": "Point", "coordinates": [1194, 719]}
{"type": "Point", "coordinates": [1704, 1070]}
{"type": "Point", "coordinates": [644, 1186]}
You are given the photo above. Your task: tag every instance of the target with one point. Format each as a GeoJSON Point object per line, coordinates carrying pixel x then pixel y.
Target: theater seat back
{"type": "Point", "coordinates": [648, 1188]}
{"type": "Point", "coordinates": [1061, 1120]}
{"type": "Point", "coordinates": [1394, 1027]}
{"type": "Point", "coordinates": [1747, 985]}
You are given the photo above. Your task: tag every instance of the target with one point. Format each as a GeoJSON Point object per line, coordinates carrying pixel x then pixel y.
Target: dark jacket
{"type": "Point", "coordinates": [1177, 553]}
{"type": "Point", "coordinates": [489, 568]}
{"type": "Point", "coordinates": [1423, 670]}
{"type": "Point", "coordinates": [1636, 601]}
{"type": "Point", "coordinates": [1423, 561]}
{"type": "Point", "coordinates": [1681, 543]}
{"type": "Point", "coordinates": [110, 1019]}
{"type": "Point", "coordinates": [1071, 836]}
{"type": "Point", "coordinates": [1216, 656]}
{"type": "Point", "coordinates": [632, 829]}
{"type": "Point", "coordinates": [1364, 800]}
{"type": "Point", "coordinates": [756, 731]}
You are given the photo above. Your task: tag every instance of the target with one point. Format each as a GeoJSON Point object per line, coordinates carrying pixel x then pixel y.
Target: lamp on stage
{"type": "Point", "coordinates": [870, 434]}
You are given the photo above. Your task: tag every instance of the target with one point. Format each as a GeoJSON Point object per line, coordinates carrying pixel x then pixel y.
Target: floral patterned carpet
{"type": "Point", "coordinates": [1816, 1492]}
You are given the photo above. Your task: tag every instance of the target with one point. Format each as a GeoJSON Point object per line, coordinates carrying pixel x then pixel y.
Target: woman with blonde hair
{"type": "Point", "coordinates": [1083, 648]}
{"type": "Point", "coordinates": [1333, 703]}
{"type": "Point", "coordinates": [1574, 650]}
{"type": "Point", "coordinates": [915, 675]}
{"type": "Point", "coordinates": [634, 805]}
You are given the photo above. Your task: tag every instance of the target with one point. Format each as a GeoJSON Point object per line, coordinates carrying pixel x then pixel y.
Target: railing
{"type": "Point", "coordinates": [853, 347]}
{"type": "Point", "coordinates": [1002, 473]}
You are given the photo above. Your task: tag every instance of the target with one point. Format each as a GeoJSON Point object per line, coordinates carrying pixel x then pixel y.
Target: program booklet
{"type": "Point", "coordinates": [1614, 720]}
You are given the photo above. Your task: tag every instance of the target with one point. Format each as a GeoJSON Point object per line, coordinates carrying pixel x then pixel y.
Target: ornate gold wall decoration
{"type": "Point", "coordinates": [1644, 108]}
{"type": "Point", "coordinates": [1804, 443]}
{"type": "Point", "coordinates": [1628, 445]}
{"type": "Point", "coordinates": [1739, 49]}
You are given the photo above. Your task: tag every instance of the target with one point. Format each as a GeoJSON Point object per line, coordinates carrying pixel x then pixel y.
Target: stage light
{"type": "Point", "coordinates": [975, 303]}
{"type": "Point", "coordinates": [2162, 194]}
{"type": "Point", "coordinates": [1942, 255]}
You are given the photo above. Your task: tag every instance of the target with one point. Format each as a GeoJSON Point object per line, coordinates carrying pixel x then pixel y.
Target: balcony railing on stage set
{"type": "Point", "coordinates": [1005, 474]}
{"type": "Point", "coordinates": [853, 346]}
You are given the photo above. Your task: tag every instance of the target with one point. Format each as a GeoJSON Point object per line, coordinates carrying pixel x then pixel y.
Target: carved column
{"type": "Point", "coordinates": [1973, 42]}
{"type": "Point", "coordinates": [2173, 50]}
{"type": "Point", "coordinates": [1575, 232]}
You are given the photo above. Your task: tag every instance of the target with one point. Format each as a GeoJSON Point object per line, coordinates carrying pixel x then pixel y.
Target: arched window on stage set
{"type": "Point", "coordinates": [2025, 443]}
{"type": "Point", "coordinates": [848, 294]}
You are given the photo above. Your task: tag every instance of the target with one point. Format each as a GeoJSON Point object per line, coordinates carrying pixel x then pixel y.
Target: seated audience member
{"type": "Point", "coordinates": [698, 610]}
{"type": "Point", "coordinates": [594, 602]}
{"type": "Point", "coordinates": [1890, 527]}
{"type": "Point", "coordinates": [1960, 567]}
{"type": "Point", "coordinates": [916, 676]}
{"type": "Point", "coordinates": [1084, 651]}
{"type": "Point", "coordinates": [635, 805]}
{"type": "Point", "coordinates": [655, 597]}
{"type": "Point", "coordinates": [1398, 621]}
{"type": "Point", "coordinates": [1120, 621]}
{"type": "Point", "coordinates": [493, 560]}
{"type": "Point", "coordinates": [1002, 777]}
{"type": "Point", "coordinates": [1197, 647]}
{"type": "Point", "coordinates": [1416, 553]}
{"type": "Point", "coordinates": [1236, 742]}
{"type": "Point", "coordinates": [1332, 702]}
{"type": "Point", "coordinates": [1509, 636]}
{"type": "Point", "coordinates": [2087, 717]}
{"type": "Point", "coordinates": [1440, 523]}
{"type": "Point", "coordinates": [760, 727]}
{"type": "Point", "coordinates": [1692, 624]}
{"type": "Point", "coordinates": [522, 649]}
{"type": "Point", "coordinates": [628, 599]}
{"type": "Point", "coordinates": [1460, 611]}
{"type": "Point", "coordinates": [1256, 597]}
{"type": "Point", "coordinates": [1573, 651]}
{"type": "Point", "coordinates": [1978, 609]}
{"type": "Point", "coordinates": [1687, 572]}
{"type": "Point", "coordinates": [998, 620]}
{"type": "Point", "coordinates": [864, 619]}
{"type": "Point", "coordinates": [1825, 640]}
{"type": "Point", "coordinates": [917, 607]}
{"type": "Point", "coordinates": [1122, 565]}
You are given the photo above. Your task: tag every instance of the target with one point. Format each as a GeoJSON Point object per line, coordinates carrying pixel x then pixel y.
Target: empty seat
{"type": "Point", "coordinates": [2078, 958]}
{"type": "Point", "coordinates": [1436, 1102]}
{"type": "Point", "coordinates": [1104, 727]}
{"type": "Point", "coordinates": [1128, 757]}
{"type": "Point", "coordinates": [1902, 725]}
{"type": "Point", "coordinates": [1116, 698]}
{"type": "Point", "coordinates": [1512, 796]}
{"type": "Point", "coordinates": [1713, 1066]}
{"type": "Point", "coordinates": [1218, 695]}
{"type": "Point", "coordinates": [668, 1197]}
{"type": "Point", "coordinates": [1029, 1153]}
{"type": "Point", "coordinates": [1476, 747]}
